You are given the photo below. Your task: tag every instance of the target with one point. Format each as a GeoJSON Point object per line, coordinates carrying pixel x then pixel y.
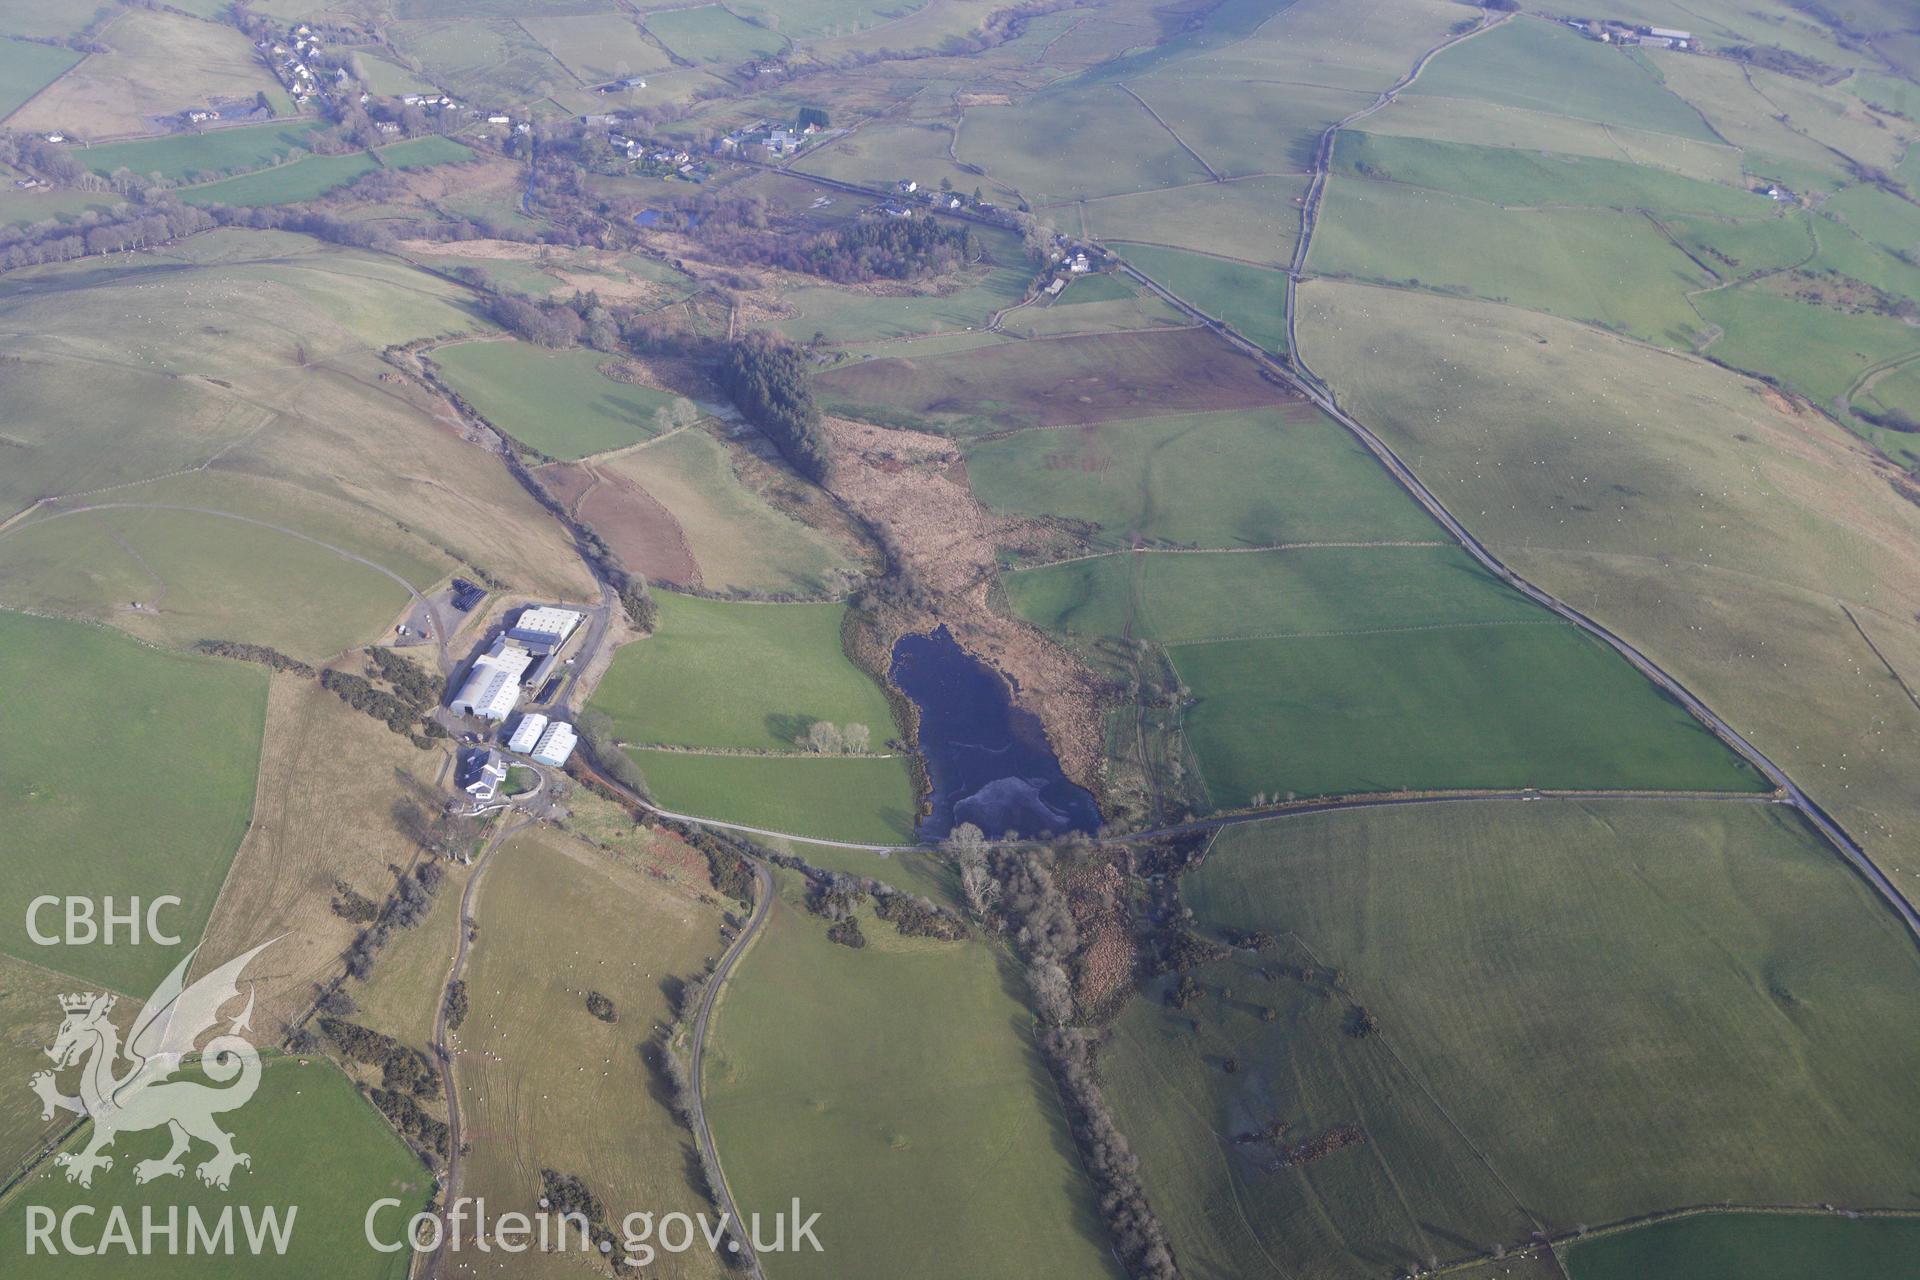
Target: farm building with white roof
{"type": "Point", "coordinates": [527, 733]}
{"type": "Point", "coordinates": [556, 744]}
{"type": "Point", "coordinates": [545, 628]}
{"type": "Point", "coordinates": [493, 685]}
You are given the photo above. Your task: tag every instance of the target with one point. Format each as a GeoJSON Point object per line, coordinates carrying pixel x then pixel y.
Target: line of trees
{"type": "Point", "coordinates": [1034, 912]}
{"type": "Point", "coordinates": [767, 378]}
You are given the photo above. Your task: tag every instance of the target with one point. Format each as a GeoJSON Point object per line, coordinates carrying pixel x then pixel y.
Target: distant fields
{"type": "Point", "coordinates": [1049, 382]}
{"type": "Point", "coordinates": [1252, 478]}
{"type": "Point", "coordinates": [745, 676]}
{"type": "Point", "coordinates": [1686, 507]}
{"type": "Point", "coordinates": [545, 1084]}
{"type": "Point", "coordinates": [896, 1091]}
{"type": "Point", "coordinates": [1511, 177]}
{"type": "Point", "coordinates": [157, 64]}
{"type": "Point", "coordinates": [315, 1143]}
{"type": "Point", "coordinates": [190, 156]}
{"type": "Point", "coordinates": [130, 772]}
{"type": "Point", "coordinates": [1252, 300]}
{"type": "Point", "coordinates": [1752, 1246]}
{"type": "Point", "coordinates": [1560, 987]}
{"type": "Point", "coordinates": [858, 317]}
{"type": "Point", "coordinates": [709, 33]}
{"type": "Point", "coordinates": [1074, 143]}
{"type": "Point", "coordinates": [597, 46]}
{"type": "Point", "coordinates": [305, 179]}
{"type": "Point", "coordinates": [27, 68]}
{"type": "Point", "coordinates": [1257, 219]}
{"type": "Point", "coordinates": [557, 402]}
{"type": "Point", "coordinates": [1546, 67]}
{"type": "Point", "coordinates": [1600, 266]}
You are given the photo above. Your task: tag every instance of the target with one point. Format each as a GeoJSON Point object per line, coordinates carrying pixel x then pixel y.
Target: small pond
{"type": "Point", "coordinates": [989, 761]}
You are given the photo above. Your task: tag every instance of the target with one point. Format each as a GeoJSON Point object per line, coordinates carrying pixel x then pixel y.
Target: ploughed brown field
{"type": "Point", "coordinates": [641, 532]}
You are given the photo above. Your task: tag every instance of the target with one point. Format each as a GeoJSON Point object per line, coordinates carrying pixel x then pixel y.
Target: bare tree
{"type": "Point", "coordinates": [856, 736]}
{"type": "Point", "coordinates": [823, 737]}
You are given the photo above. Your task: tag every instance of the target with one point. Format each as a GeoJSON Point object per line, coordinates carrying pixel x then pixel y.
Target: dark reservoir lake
{"type": "Point", "coordinates": [989, 761]}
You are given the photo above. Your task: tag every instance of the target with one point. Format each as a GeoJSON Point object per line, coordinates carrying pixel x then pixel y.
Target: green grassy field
{"type": "Point", "coordinates": [305, 179]}
{"type": "Point", "coordinates": [708, 33]}
{"type": "Point", "coordinates": [1251, 299]}
{"type": "Point", "coordinates": [1512, 177]}
{"type": "Point", "coordinates": [1561, 988]}
{"type": "Point", "coordinates": [130, 773]}
{"type": "Point", "coordinates": [419, 153]}
{"type": "Point", "coordinates": [1176, 598]}
{"type": "Point", "coordinates": [1612, 269]}
{"type": "Point", "coordinates": [51, 17]}
{"type": "Point", "coordinates": [27, 68]}
{"type": "Point", "coordinates": [1073, 143]}
{"type": "Point", "coordinates": [1752, 1246]}
{"type": "Point", "coordinates": [195, 156]}
{"type": "Point", "coordinates": [738, 538]}
{"type": "Point", "coordinates": [155, 63]}
{"type": "Point", "coordinates": [859, 317]}
{"type": "Point", "coordinates": [1492, 124]}
{"type": "Point", "coordinates": [1247, 479]}
{"type": "Point", "coordinates": [545, 1084]}
{"type": "Point", "coordinates": [597, 46]}
{"type": "Point", "coordinates": [482, 59]}
{"type": "Point", "coordinates": [555, 401]}
{"type": "Point", "coordinates": [828, 797]}
{"type": "Point", "coordinates": [897, 1092]}
{"type": "Point", "coordinates": [1816, 350]}
{"type": "Point", "coordinates": [1546, 67]}
{"type": "Point", "coordinates": [174, 577]}
{"type": "Point", "coordinates": [1256, 219]}
{"type": "Point", "coordinates": [321, 1155]}
{"type": "Point", "coordinates": [748, 676]}
{"type": "Point", "coordinates": [1480, 705]}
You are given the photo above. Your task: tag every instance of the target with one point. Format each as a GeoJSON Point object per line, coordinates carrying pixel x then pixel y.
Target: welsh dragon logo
{"type": "Point", "coordinates": [129, 1088]}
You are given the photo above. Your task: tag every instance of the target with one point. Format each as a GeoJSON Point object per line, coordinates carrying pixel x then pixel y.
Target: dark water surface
{"type": "Point", "coordinates": [989, 761]}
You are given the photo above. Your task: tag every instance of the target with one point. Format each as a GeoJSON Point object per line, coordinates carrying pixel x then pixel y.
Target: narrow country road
{"type": "Point", "coordinates": [702, 1133]}
{"type": "Point", "coordinates": [442, 1051]}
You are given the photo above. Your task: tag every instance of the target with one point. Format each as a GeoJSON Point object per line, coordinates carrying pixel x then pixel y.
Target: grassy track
{"type": "Point", "coordinates": [1561, 988]}
{"type": "Point", "coordinates": [896, 1091]}
{"type": "Point", "coordinates": [128, 773]}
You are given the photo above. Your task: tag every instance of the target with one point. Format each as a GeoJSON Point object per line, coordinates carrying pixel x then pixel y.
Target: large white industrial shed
{"type": "Point", "coordinates": [556, 744]}
{"type": "Point", "coordinates": [527, 733]}
{"type": "Point", "coordinates": [493, 686]}
{"type": "Point", "coordinates": [545, 626]}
